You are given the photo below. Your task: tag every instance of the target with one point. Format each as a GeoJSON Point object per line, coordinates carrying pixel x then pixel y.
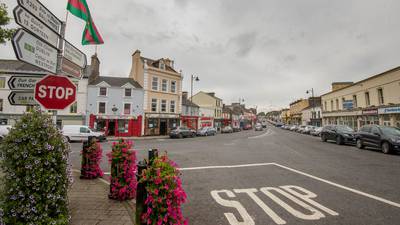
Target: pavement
{"type": "Point", "coordinates": [89, 204]}
{"type": "Point", "coordinates": [279, 177]}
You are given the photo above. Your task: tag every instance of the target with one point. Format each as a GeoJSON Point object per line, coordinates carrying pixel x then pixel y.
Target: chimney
{"type": "Point", "coordinates": [135, 64]}
{"type": "Point", "coordinates": [184, 95]}
{"type": "Point", "coordinates": [95, 68]}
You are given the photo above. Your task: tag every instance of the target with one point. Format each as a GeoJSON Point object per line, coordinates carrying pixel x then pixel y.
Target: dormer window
{"type": "Point", "coordinates": [162, 65]}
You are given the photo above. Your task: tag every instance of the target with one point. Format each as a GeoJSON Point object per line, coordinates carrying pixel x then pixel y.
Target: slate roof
{"type": "Point", "coordinates": [156, 64]}
{"type": "Point", "coordinates": [12, 65]}
{"type": "Point", "coordinates": [115, 81]}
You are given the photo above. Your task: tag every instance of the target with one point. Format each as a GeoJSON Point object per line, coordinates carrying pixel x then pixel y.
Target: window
{"type": "Point", "coordinates": [127, 108]}
{"type": "Point", "coordinates": [154, 84]}
{"type": "Point", "coordinates": [128, 92]}
{"type": "Point", "coordinates": [102, 108]}
{"type": "Point", "coordinates": [73, 108]}
{"type": "Point", "coordinates": [103, 91]}
{"type": "Point", "coordinates": [152, 123]}
{"type": "Point", "coordinates": [163, 105]}
{"type": "Point", "coordinates": [331, 105]}
{"type": "Point", "coordinates": [337, 104]}
{"type": "Point", "coordinates": [30, 108]}
{"type": "Point", "coordinates": [172, 107]}
{"type": "Point", "coordinates": [326, 106]}
{"type": "Point", "coordinates": [375, 130]}
{"type": "Point", "coordinates": [84, 130]}
{"type": "Point", "coordinates": [380, 96]}
{"type": "Point", "coordinates": [354, 101]}
{"type": "Point", "coordinates": [2, 82]}
{"type": "Point", "coordinates": [173, 86]}
{"type": "Point", "coordinates": [164, 86]}
{"type": "Point", "coordinates": [319, 114]}
{"type": "Point", "coordinates": [162, 65]}
{"type": "Point", "coordinates": [154, 105]}
{"type": "Point", "coordinates": [1, 105]}
{"type": "Point", "coordinates": [367, 101]}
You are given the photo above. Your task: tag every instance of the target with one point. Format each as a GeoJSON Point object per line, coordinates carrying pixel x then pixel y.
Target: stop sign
{"type": "Point", "coordinates": [55, 92]}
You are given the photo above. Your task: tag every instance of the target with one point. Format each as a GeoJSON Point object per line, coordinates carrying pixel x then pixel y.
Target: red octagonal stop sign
{"type": "Point", "coordinates": [55, 92]}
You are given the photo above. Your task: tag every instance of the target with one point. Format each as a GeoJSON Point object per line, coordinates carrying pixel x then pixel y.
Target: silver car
{"type": "Point", "coordinates": [207, 131]}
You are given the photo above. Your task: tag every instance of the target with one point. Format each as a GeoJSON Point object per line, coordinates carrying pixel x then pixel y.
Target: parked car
{"type": "Point", "coordinates": [4, 130]}
{"type": "Point", "coordinates": [247, 127]}
{"type": "Point", "coordinates": [264, 124]}
{"type": "Point", "coordinates": [278, 124]}
{"type": "Point", "coordinates": [237, 129]}
{"type": "Point", "coordinates": [316, 131]}
{"type": "Point", "coordinates": [207, 131]}
{"type": "Point", "coordinates": [258, 127]}
{"type": "Point", "coordinates": [387, 139]}
{"type": "Point", "coordinates": [301, 129]}
{"type": "Point", "coordinates": [182, 132]}
{"type": "Point", "coordinates": [81, 133]}
{"type": "Point", "coordinates": [227, 129]}
{"type": "Point", "coordinates": [293, 128]}
{"type": "Point", "coordinates": [308, 129]}
{"type": "Point", "coordinates": [340, 133]}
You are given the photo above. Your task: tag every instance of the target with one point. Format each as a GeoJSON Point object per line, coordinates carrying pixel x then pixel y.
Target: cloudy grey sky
{"type": "Point", "coordinates": [266, 51]}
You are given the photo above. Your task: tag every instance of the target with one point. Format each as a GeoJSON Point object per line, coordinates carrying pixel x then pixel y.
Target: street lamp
{"type": "Point", "coordinates": [313, 103]}
{"type": "Point", "coordinates": [192, 78]}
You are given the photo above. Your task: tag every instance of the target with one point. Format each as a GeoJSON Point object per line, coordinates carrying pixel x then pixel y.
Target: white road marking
{"type": "Point", "coordinates": [107, 173]}
{"type": "Point", "coordinates": [301, 173]}
{"type": "Point", "coordinates": [269, 132]}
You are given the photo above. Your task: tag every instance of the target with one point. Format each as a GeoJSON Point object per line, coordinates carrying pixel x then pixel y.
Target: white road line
{"type": "Point", "coordinates": [301, 173]}
{"type": "Point", "coordinates": [224, 167]}
{"type": "Point", "coordinates": [261, 135]}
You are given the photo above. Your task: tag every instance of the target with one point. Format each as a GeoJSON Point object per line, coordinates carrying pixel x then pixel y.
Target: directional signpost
{"type": "Point", "coordinates": [31, 50]}
{"type": "Point", "coordinates": [74, 55]}
{"type": "Point", "coordinates": [22, 98]}
{"type": "Point", "coordinates": [28, 21]}
{"type": "Point", "coordinates": [70, 69]}
{"type": "Point", "coordinates": [21, 82]}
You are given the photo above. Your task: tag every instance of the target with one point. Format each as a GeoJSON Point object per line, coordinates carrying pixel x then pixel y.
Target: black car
{"type": "Point", "coordinates": [340, 133]}
{"type": "Point", "coordinates": [182, 132]}
{"type": "Point", "coordinates": [382, 137]}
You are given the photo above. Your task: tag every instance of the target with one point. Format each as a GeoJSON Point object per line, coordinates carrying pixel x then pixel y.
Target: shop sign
{"type": "Point", "coordinates": [348, 104]}
{"type": "Point", "coordinates": [390, 110]}
{"type": "Point", "coordinates": [370, 112]}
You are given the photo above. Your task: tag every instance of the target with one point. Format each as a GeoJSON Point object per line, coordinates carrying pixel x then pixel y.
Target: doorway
{"type": "Point", "coordinates": [163, 127]}
{"type": "Point", "coordinates": [111, 128]}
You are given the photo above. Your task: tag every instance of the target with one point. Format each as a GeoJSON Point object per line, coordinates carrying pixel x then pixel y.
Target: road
{"type": "Point", "coordinates": [280, 177]}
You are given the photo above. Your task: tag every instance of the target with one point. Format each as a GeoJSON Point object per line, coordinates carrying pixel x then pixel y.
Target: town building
{"type": "Point", "coordinates": [231, 117]}
{"type": "Point", "coordinates": [115, 104]}
{"type": "Point", "coordinates": [162, 86]}
{"type": "Point", "coordinates": [210, 108]}
{"type": "Point", "coordinates": [296, 109]}
{"type": "Point", "coordinates": [285, 116]}
{"type": "Point", "coordinates": [311, 115]}
{"type": "Point", "coordinates": [375, 100]}
{"type": "Point", "coordinates": [247, 117]}
{"type": "Point", "coordinates": [190, 113]}
{"type": "Point", "coordinates": [75, 114]}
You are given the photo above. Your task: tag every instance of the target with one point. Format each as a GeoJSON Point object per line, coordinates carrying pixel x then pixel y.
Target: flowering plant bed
{"type": "Point", "coordinates": [165, 194]}
{"type": "Point", "coordinates": [36, 173]}
{"type": "Point", "coordinates": [123, 171]}
{"type": "Point", "coordinates": [91, 157]}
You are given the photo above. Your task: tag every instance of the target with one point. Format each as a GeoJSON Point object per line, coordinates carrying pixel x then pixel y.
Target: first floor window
{"type": "Point", "coordinates": [102, 108]}
{"type": "Point", "coordinates": [128, 92]}
{"type": "Point", "coordinates": [154, 105]}
{"type": "Point", "coordinates": [173, 86]}
{"type": "Point", "coordinates": [1, 105]}
{"type": "Point", "coordinates": [103, 91]}
{"type": "Point", "coordinates": [127, 108]}
{"type": "Point", "coordinates": [163, 105]}
{"type": "Point", "coordinates": [354, 101]}
{"type": "Point", "coordinates": [172, 107]}
{"type": "Point", "coordinates": [380, 96]}
{"type": "Point", "coordinates": [367, 100]}
{"type": "Point", "coordinates": [73, 108]}
{"type": "Point", "coordinates": [154, 84]}
{"type": "Point", "coordinates": [164, 85]}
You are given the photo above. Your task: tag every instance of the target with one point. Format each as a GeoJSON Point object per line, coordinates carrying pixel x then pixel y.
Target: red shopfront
{"type": "Point", "coordinates": [206, 122]}
{"type": "Point", "coordinates": [119, 126]}
{"type": "Point", "coordinates": [190, 122]}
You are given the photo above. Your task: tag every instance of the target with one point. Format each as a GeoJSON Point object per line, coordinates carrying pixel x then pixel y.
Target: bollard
{"type": "Point", "coordinates": [141, 194]}
{"type": "Point", "coordinates": [153, 153]}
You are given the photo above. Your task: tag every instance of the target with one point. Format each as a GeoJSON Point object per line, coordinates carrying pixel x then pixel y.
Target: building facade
{"type": "Point", "coordinates": [75, 114]}
{"type": "Point", "coordinates": [296, 109]}
{"type": "Point", "coordinates": [375, 100]}
{"type": "Point", "coordinates": [312, 114]}
{"type": "Point", "coordinates": [162, 86]}
{"type": "Point", "coordinates": [190, 113]}
{"type": "Point", "coordinates": [210, 107]}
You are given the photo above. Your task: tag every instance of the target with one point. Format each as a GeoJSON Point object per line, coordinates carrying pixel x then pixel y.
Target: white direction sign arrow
{"type": "Point", "coordinates": [23, 82]}
{"type": "Point", "coordinates": [31, 50]}
{"type": "Point", "coordinates": [42, 13]}
{"type": "Point", "coordinates": [28, 21]}
{"type": "Point", "coordinates": [74, 55]}
{"type": "Point", "coordinates": [22, 98]}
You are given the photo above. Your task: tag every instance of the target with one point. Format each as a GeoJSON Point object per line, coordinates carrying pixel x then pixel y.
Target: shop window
{"type": "Point", "coordinates": [154, 105]}
{"type": "Point", "coordinates": [154, 84]}
{"type": "Point", "coordinates": [164, 85]}
{"type": "Point", "coordinates": [123, 126]}
{"type": "Point", "coordinates": [1, 105]}
{"type": "Point", "coordinates": [102, 108]}
{"type": "Point", "coordinates": [355, 101]}
{"type": "Point", "coordinates": [153, 123]}
{"type": "Point", "coordinates": [380, 96]}
{"type": "Point", "coordinates": [102, 91]}
{"type": "Point", "coordinates": [2, 82]}
{"type": "Point", "coordinates": [173, 123]}
{"type": "Point", "coordinates": [128, 92]}
{"type": "Point", "coordinates": [73, 108]}
{"type": "Point", "coordinates": [173, 86]}
{"type": "Point", "coordinates": [367, 100]}
{"type": "Point", "coordinates": [127, 108]}
{"type": "Point", "coordinates": [172, 107]}
{"type": "Point", "coordinates": [163, 105]}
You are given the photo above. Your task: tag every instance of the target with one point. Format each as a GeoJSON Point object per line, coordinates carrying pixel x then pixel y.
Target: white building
{"type": "Point", "coordinates": [73, 115]}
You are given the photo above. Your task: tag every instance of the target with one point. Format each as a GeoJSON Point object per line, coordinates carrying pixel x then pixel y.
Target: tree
{"type": "Point", "coordinates": [5, 34]}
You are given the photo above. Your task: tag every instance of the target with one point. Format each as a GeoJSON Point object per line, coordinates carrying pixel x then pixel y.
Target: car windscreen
{"type": "Point", "coordinates": [344, 129]}
{"type": "Point", "coordinates": [391, 131]}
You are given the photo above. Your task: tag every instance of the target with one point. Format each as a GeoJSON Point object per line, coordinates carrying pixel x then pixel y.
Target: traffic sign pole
{"type": "Point", "coordinates": [59, 61]}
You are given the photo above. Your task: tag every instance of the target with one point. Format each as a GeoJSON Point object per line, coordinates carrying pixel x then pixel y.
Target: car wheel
{"type": "Point", "coordinates": [359, 144]}
{"type": "Point", "coordinates": [68, 139]}
{"type": "Point", "coordinates": [385, 147]}
{"type": "Point", "coordinates": [180, 136]}
{"type": "Point", "coordinates": [323, 137]}
{"type": "Point", "coordinates": [339, 140]}
{"type": "Point", "coordinates": [206, 134]}
{"type": "Point", "coordinates": [193, 135]}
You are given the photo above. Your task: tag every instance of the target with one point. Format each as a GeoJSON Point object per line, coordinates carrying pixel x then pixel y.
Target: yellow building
{"type": "Point", "coordinates": [285, 115]}
{"type": "Point", "coordinates": [375, 100]}
{"type": "Point", "coordinates": [296, 109]}
{"type": "Point", "coordinates": [210, 106]}
{"type": "Point", "coordinates": [162, 86]}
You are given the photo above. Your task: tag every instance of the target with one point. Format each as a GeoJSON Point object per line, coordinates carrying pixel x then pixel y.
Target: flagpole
{"type": "Point", "coordinates": [66, 19]}
{"type": "Point", "coordinates": [95, 49]}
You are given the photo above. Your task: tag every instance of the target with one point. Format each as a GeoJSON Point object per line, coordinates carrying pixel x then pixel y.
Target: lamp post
{"type": "Point", "coordinates": [313, 103]}
{"type": "Point", "coordinates": [192, 78]}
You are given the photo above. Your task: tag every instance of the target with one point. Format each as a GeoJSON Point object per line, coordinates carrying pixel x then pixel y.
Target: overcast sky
{"type": "Point", "coordinates": [267, 52]}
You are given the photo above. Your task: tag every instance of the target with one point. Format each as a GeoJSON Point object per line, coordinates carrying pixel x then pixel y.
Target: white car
{"type": "Point", "coordinates": [81, 133]}
{"type": "Point", "coordinates": [4, 130]}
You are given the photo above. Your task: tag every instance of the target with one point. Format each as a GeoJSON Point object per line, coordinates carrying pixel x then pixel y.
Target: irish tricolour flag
{"type": "Point", "coordinates": [80, 9]}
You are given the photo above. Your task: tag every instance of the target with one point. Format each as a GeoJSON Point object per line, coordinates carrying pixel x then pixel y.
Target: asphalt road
{"type": "Point", "coordinates": [280, 177]}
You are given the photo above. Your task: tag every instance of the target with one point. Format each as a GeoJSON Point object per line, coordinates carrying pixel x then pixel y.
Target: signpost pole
{"type": "Point", "coordinates": [59, 60]}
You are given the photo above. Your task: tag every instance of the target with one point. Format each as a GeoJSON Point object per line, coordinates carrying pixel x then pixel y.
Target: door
{"type": "Point", "coordinates": [375, 136]}
{"type": "Point", "coordinates": [163, 127]}
{"type": "Point", "coordinates": [111, 128]}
